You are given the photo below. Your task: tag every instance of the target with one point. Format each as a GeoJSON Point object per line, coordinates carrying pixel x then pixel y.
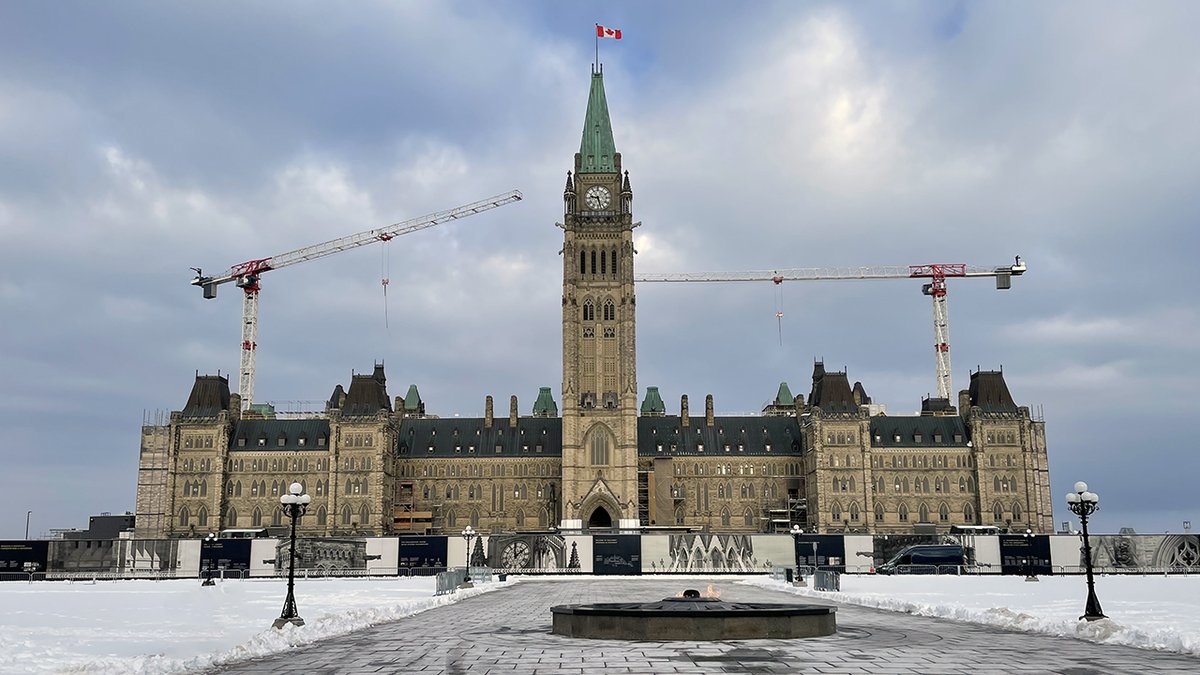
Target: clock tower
{"type": "Point", "coordinates": [599, 422]}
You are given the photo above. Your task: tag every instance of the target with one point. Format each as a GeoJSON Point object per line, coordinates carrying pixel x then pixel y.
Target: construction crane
{"type": "Point", "coordinates": [936, 289]}
{"type": "Point", "coordinates": [247, 275]}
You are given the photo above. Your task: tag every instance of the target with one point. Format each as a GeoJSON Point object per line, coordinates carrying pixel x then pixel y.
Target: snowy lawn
{"type": "Point", "coordinates": [178, 626]}
{"type": "Point", "coordinates": [1149, 612]}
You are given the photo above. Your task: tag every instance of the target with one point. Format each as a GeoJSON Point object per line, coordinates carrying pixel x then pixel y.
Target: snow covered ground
{"type": "Point", "coordinates": [1149, 612]}
{"type": "Point", "coordinates": [178, 626]}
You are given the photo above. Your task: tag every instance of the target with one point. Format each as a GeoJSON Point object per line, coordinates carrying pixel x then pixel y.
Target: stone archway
{"type": "Point", "coordinates": [600, 519]}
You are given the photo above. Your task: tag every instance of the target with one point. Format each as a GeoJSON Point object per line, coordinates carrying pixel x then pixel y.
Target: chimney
{"type": "Point", "coordinates": [685, 420]}
{"type": "Point", "coordinates": [487, 412]}
{"type": "Point", "coordinates": [799, 403]}
{"type": "Point", "coordinates": [708, 410]}
{"type": "Point", "coordinates": [512, 411]}
{"type": "Point", "coordinates": [398, 406]}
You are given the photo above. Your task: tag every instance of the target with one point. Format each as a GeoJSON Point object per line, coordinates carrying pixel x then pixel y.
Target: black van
{"type": "Point", "coordinates": [924, 559]}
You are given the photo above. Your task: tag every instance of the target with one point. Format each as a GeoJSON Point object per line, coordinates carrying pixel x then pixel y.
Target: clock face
{"type": "Point", "coordinates": [597, 198]}
{"type": "Point", "coordinates": [515, 555]}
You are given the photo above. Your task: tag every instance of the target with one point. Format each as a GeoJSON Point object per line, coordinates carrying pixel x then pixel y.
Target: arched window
{"type": "Point", "coordinates": [347, 515]}
{"type": "Point", "coordinates": [276, 517]}
{"type": "Point", "coordinates": [996, 483]}
{"type": "Point", "coordinates": [852, 484]}
{"type": "Point", "coordinates": [451, 519]}
{"type": "Point", "coordinates": [364, 516]}
{"type": "Point", "coordinates": [231, 517]}
{"type": "Point", "coordinates": [543, 517]}
{"type": "Point", "coordinates": [599, 447]}
{"type": "Point", "coordinates": [184, 517]}
{"type": "Point", "coordinates": [878, 512]}
{"type": "Point", "coordinates": [725, 518]}
{"type": "Point", "coordinates": [610, 310]}
{"type": "Point", "coordinates": [583, 262]}
{"type": "Point", "coordinates": [237, 489]}
{"type": "Point", "coordinates": [603, 262]}
{"type": "Point", "coordinates": [998, 511]}
{"type": "Point", "coordinates": [202, 517]}
{"type": "Point", "coordinates": [474, 518]}
{"type": "Point", "coordinates": [1016, 511]}
{"type": "Point", "coordinates": [836, 511]}
{"type": "Point", "coordinates": [589, 311]}
{"type": "Point", "coordinates": [854, 511]}
{"type": "Point", "coordinates": [943, 512]}
{"type": "Point", "coordinates": [903, 511]}
{"type": "Point", "coordinates": [720, 491]}
{"type": "Point", "coordinates": [256, 518]}
{"type": "Point", "coordinates": [520, 518]}
{"type": "Point", "coordinates": [962, 484]}
{"type": "Point", "coordinates": [970, 483]}
{"type": "Point", "coordinates": [968, 514]}
{"type": "Point", "coordinates": [748, 518]}
{"type": "Point", "coordinates": [593, 262]}
{"type": "Point", "coordinates": [614, 260]}
{"type": "Point", "coordinates": [923, 511]}
{"type": "Point", "coordinates": [322, 515]}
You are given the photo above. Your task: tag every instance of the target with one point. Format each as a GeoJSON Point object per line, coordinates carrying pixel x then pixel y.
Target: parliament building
{"type": "Point", "coordinates": [829, 461]}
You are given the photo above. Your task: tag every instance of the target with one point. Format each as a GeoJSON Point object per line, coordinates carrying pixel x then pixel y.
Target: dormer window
{"type": "Point", "coordinates": [937, 438]}
{"type": "Point", "coordinates": [241, 442]}
{"type": "Point", "coordinates": [896, 438]}
{"type": "Point", "coordinates": [958, 438]}
{"type": "Point", "coordinates": [262, 442]}
{"type": "Point", "coordinates": [281, 441]}
{"type": "Point", "coordinates": [917, 438]}
{"type": "Point", "coordinates": [302, 441]}
{"type": "Point", "coordinates": [320, 441]}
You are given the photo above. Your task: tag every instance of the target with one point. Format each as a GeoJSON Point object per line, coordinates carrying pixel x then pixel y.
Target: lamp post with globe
{"type": "Point", "coordinates": [468, 534]}
{"type": "Point", "coordinates": [293, 504]}
{"type": "Point", "coordinates": [1083, 504]}
{"type": "Point", "coordinates": [208, 563]}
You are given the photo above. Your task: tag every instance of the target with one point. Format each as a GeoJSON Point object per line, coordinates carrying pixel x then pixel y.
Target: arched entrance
{"type": "Point", "coordinates": [600, 519]}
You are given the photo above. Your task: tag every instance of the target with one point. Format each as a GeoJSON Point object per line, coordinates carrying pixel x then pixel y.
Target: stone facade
{"type": "Point", "coordinates": [829, 462]}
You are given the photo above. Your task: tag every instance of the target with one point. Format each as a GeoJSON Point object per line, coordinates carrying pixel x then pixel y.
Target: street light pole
{"type": "Point", "coordinates": [27, 514]}
{"type": "Point", "coordinates": [208, 567]}
{"type": "Point", "coordinates": [468, 533]}
{"type": "Point", "coordinates": [293, 505]}
{"type": "Point", "coordinates": [1083, 503]}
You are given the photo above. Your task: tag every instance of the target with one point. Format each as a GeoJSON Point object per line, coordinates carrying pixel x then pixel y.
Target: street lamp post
{"type": "Point", "coordinates": [468, 534]}
{"type": "Point", "coordinates": [27, 514]}
{"type": "Point", "coordinates": [208, 568]}
{"type": "Point", "coordinates": [1083, 504]}
{"type": "Point", "coordinates": [293, 505]}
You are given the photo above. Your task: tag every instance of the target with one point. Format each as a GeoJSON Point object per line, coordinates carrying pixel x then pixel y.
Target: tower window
{"type": "Point", "coordinates": [589, 311]}
{"type": "Point", "coordinates": [583, 262]}
{"type": "Point", "coordinates": [593, 262]}
{"type": "Point", "coordinates": [610, 310]}
{"type": "Point", "coordinates": [603, 262]}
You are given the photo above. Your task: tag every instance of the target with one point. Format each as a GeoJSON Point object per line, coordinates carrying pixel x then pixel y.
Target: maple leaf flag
{"type": "Point", "coordinates": [602, 32]}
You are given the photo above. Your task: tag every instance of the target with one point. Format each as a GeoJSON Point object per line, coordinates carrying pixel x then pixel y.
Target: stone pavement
{"type": "Point", "coordinates": [508, 631]}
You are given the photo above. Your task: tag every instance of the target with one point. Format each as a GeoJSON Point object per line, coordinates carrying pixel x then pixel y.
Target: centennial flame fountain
{"type": "Point", "coordinates": [693, 616]}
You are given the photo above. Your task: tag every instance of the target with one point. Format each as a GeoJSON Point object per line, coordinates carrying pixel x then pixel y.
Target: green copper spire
{"type": "Point", "coordinates": [597, 150]}
{"type": "Point", "coordinates": [784, 397]}
{"type": "Point", "coordinates": [652, 405]}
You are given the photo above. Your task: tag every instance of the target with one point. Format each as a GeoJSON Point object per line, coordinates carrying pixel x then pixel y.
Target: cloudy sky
{"type": "Point", "coordinates": [140, 139]}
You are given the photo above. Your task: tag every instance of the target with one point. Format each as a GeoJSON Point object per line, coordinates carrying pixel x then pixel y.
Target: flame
{"type": "Point", "coordinates": [710, 592]}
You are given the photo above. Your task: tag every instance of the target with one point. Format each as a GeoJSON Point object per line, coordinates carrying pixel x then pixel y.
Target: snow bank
{"type": "Point", "coordinates": [178, 626]}
{"type": "Point", "coordinates": [1148, 612]}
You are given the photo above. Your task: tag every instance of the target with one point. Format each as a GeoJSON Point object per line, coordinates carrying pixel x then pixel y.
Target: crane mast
{"type": "Point", "coordinates": [246, 275]}
{"type": "Point", "coordinates": [935, 289]}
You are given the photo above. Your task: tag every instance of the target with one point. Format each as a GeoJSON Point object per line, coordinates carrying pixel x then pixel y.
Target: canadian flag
{"type": "Point", "coordinates": [602, 32]}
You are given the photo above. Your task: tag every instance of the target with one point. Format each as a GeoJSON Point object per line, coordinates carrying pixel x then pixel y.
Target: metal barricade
{"type": "Point", "coordinates": [449, 581]}
{"type": "Point", "coordinates": [826, 580]}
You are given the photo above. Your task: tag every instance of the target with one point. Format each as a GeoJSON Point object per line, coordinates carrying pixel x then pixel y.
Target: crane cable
{"type": "Point", "coordinates": [779, 306]}
{"type": "Point", "coordinates": [385, 270]}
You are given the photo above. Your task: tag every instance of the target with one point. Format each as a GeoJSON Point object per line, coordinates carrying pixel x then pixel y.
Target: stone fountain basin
{"type": "Point", "coordinates": [693, 619]}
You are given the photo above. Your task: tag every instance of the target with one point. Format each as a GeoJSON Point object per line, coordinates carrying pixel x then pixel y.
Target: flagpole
{"type": "Point", "coordinates": [597, 63]}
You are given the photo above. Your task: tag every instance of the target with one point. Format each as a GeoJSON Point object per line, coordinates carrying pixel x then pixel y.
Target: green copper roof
{"type": "Point", "coordinates": [545, 405]}
{"type": "Point", "coordinates": [597, 148]}
{"type": "Point", "coordinates": [412, 401]}
{"type": "Point", "coordinates": [784, 397]}
{"type": "Point", "coordinates": [653, 402]}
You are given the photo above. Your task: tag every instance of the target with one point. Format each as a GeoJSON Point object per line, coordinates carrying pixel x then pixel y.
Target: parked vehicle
{"type": "Point", "coordinates": [924, 559]}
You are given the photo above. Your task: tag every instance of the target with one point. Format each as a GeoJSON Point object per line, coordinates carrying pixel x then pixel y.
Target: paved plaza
{"type": "Point", "coordinates": [508, 631]}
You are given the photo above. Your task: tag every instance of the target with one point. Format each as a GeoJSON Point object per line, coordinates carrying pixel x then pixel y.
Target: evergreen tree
{"type": "Point", "coordinates": [574, 563]}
